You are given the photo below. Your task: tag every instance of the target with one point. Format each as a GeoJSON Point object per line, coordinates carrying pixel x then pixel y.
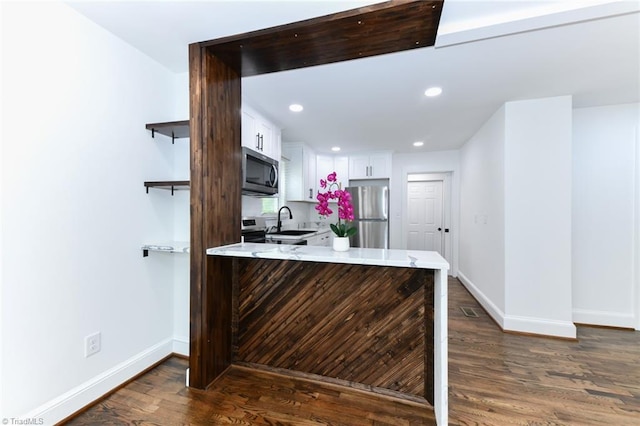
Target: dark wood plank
{"type": "Point", "coordinates": [358, 33]}
{"type": "Point", "coordinates": [168, 184]}
{"type": "Point", "coordinates": [358, 323]}
{"type": "Point", "coordinates": [197, 364]}
{"type": "Point", "coordinates": [172, 129]}
{"type": "Point", "coordinates": [215, 209]}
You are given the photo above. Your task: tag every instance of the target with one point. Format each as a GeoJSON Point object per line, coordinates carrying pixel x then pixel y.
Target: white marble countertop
{"type": "Point", "coordinates": [358, 256]}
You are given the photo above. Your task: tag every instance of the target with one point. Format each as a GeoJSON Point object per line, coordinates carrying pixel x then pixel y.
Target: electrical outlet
{"type": "Point", "coordinates": [92, 344]}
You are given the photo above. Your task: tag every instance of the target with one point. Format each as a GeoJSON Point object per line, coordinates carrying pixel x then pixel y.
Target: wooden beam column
{"type": "Point", "coordinates": [215, 102]}
{"type": "Point", "coordinates": [215, 71]}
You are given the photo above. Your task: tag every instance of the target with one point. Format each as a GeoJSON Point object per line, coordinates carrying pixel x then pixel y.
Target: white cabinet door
{"type": "Point", "coordinates": [324, 166]}
{"type": "Point", "coordinates": [249, 135]}
{"type": "Point", "coordinates": [312, 184]}
{"type": "Point", "coordinates": [294, 182]}
{"type": "Point", "coordinates": [313, 241]}
{"type": "Point", "coordinates": [321, 239]}
{"type": "Point", "coordinates": [300, 173]}
{"type": "Point", "coordinates": [359, 167]}
{"type": "Point", "coordinates": [276, 143]}
{"type": "Point", "coordinates": [380, 166]}
{"type": "Point", "coordinates": [372, 166]}
{"type": "Point", "coordinates": [265, 137]}
{"type": "Point", "coordinates": [259, 134]}
{"type": "Point", "coordinates": [326, 239]}
{"type": "Point", "coordinates": [341, 167]}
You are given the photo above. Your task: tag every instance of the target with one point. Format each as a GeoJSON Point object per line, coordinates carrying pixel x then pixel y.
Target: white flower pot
{"type": "Point", "coordinates": [340, 243]}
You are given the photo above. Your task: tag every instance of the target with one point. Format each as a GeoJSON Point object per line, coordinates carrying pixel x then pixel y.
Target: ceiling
{"type": "Point", "coordinates": [486, 53]}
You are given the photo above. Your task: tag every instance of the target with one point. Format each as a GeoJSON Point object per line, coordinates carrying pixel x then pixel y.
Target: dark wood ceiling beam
{"type": "Point", "coordinates": [367, 31]}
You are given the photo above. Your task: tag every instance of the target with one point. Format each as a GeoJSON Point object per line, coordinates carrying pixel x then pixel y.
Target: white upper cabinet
{"type": "Point", "coordinates": [326, 164]}
{"type": "Point", "coordinates": [300, 179]}
{"type": "Point", "coordinates": [259, 134]}
{"type": "Point", "coordinates": [370, 166]}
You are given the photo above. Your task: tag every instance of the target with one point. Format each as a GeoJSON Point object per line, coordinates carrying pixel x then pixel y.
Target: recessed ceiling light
{"type": "Point", "coordinates": [418, 143]}
{"type": "Point", "coordinates": [296, 107]}
{"type": "Point", "coordinates": [433, 91]}
{"type": "Point", "coordinates": [335, 148]}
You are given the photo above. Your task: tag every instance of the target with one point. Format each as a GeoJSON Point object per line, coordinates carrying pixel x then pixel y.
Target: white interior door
{"type": "Point", "coordinates": [424, 208]}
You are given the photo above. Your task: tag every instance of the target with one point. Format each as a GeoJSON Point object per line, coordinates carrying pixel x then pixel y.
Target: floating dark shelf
{"type": "Point", "coordinates": [173, 185]}
{"type": "Point", "coordinates": [173, 129]}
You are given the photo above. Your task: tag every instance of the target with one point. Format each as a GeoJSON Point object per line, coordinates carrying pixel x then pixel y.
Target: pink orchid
{"type": "Point", "coordinates": [345, 208]}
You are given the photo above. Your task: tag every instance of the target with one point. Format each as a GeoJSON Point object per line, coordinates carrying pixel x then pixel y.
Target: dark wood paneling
{"type": "Point", "coordinates": [215, 209]}
{"type": "Point", "coordinates": [363, 324]}
{"type": "Point", "coordinates": [358, 33]}
{"type": "Point", "coordinates": [215, 98]}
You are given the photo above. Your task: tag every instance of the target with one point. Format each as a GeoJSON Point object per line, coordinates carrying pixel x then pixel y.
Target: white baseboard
{"type": "Point", "coordinates": [541, 326]}
{"type": "Point", "coordinates": [79, 397]}
{"type": "Point", "coordinates": [609, 319]}
{"type": "Point", "coordinates": [493, 311]}
{"type": "Point", "coordinates": [530, 325]}
{"type": "Point", "coordinates": [181, 345]}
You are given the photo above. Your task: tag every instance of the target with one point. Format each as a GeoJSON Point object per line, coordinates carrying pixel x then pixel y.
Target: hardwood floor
{"type": "Point", "coordinates": [494, 379]}
{"type": "Point", "coordinates": [497, 378]}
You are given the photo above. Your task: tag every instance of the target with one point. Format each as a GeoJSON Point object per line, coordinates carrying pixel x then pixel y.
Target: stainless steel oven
{"type": "Point", "coordinates": [259, 173]}
{"type": "Point", "coordinates": [253, 229]}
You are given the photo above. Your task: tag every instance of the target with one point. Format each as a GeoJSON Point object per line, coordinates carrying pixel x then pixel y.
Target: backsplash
{"type": "Point", "coordinates": [304, 214]}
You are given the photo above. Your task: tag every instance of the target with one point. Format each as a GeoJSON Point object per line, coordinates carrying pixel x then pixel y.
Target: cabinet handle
{"type": "Point", "coordinates": [258, 141]}
{"type": "Point", "coordinates": [311, 193]}
{"type": "Point", "coordinates": [261, 142]}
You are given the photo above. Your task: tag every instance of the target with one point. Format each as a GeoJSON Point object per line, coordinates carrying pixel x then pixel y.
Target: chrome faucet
{"type": "Point", "coordinates": [279, 228]}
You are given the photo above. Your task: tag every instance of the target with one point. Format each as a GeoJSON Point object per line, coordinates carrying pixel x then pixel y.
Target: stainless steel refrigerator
{"type": "Point", "coordinates": [371, 210]}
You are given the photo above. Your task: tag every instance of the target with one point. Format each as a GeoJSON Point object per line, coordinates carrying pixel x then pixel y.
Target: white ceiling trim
{"type": "Point", "coordinates": [524, 20]}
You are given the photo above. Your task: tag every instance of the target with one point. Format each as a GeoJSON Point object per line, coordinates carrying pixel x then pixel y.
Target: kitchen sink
{"type": "Point", "coordinates": [292, 232]}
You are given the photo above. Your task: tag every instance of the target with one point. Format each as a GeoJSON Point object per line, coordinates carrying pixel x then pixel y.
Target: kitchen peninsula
{"type": "Point", "coordinates": [373, 319]}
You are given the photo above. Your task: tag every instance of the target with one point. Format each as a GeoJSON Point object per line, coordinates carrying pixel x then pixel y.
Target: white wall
{"type": "Point", "coordinates": [515, 216]}
{"type": "Point", "coordinates": [604, 228]}
{"type": "Point", "coordinates": [428, 162]}
{"type": "Point", "coordinates": [482, 222]}
{"type": "Point", "coordinates": [74, 211]}
{"type": "Point", "coordinates": [181, 223]}
{"type": "Point", "coordinates": [538, 216]}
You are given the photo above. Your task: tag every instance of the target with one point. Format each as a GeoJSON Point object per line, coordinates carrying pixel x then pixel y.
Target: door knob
{"type": "Point", "coordinates": [439, 229]}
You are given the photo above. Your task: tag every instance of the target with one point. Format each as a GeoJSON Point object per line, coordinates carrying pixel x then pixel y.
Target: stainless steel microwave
{"type": "Point", "coordinates": [259, 173]}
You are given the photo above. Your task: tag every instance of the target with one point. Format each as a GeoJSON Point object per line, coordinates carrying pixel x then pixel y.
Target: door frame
{"type": "Point", "coordinates": [447, 220]}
